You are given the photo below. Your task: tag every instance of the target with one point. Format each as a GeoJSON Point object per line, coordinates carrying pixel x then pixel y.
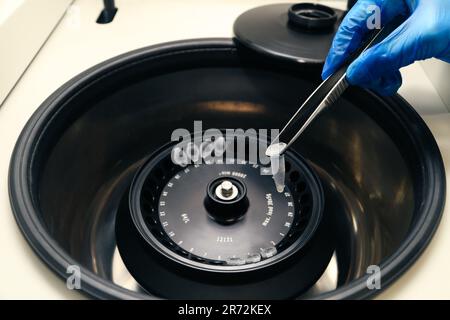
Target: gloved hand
{"type": "Point", "coordinates": [424, 34]}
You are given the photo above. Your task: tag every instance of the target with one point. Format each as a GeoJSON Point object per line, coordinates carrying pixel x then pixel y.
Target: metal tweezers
{"type": "Point", "coordinates": [325, 95]}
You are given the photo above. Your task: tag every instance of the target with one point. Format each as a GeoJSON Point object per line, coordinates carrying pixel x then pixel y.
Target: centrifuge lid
{"type": "Point", "coordinates": [299, 32]}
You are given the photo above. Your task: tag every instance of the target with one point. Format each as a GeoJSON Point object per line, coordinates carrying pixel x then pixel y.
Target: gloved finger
{"type": "Point", "coordinates": [388, 85]}
{"type": "Point", "coordinates": [354, 28]}
{"type": "Point", "coordinates": [445, 59]}
{"type": "Point", "coordinates": [399, 49]}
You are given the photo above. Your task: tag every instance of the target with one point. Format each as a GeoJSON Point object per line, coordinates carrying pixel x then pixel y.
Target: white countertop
{"type": "Point", "coordinates": [78, 43]}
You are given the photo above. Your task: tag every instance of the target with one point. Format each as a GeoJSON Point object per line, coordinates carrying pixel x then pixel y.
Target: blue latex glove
{"type": "Point", "coordinates": [424, 34]}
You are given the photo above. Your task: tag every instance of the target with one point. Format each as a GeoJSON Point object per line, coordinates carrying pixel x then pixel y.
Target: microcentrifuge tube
{"type": "Point", "coordinates": [277, 164]}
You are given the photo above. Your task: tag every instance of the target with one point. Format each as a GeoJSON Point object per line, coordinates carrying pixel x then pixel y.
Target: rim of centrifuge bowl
{"type": "Point", "coordinates": [26, 212]}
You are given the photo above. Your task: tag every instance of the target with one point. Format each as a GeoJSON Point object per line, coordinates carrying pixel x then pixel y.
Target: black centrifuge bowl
{"type": "Point", "coordinates": [77, 154]}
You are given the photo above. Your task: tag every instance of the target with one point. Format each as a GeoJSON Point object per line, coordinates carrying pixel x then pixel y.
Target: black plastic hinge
{"type": "Point", "coordinates": [108, 13]}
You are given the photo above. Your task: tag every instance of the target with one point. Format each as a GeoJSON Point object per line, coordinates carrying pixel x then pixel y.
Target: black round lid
{"type": "Point", "coordinates": [300, 32]}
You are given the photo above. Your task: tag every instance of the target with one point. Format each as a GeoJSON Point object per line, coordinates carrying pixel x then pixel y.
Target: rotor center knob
{"type": "Point", "coordinates": [226, 200]}
{"type": "Point", "coordinates": [227, 190]}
